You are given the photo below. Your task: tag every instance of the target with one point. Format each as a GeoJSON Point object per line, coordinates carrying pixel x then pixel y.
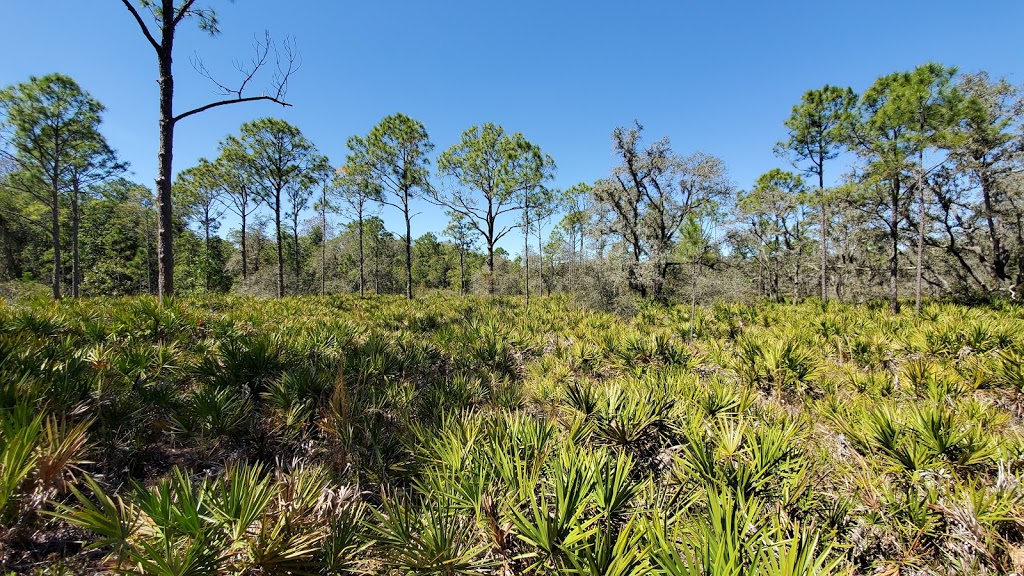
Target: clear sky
{"type": "Point", "coordinates": [714, 76]}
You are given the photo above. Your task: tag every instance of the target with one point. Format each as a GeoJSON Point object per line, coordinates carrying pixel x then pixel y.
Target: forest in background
{"type": "Point", "coordinates": [929, 205]}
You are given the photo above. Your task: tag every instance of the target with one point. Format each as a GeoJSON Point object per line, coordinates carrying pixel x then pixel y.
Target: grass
{"type": "Point", "coordinates": [450, 435]}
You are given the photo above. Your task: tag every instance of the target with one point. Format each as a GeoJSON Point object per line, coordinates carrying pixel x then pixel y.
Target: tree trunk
{"type": "Point", "coordinates": [280, 245]}
{"type": "Point", "coordinates": [295, 250]}
{"type": "Point", "coordinates": [489, 238]}
{"type": "Point", "coordinates": [462, 271]}
{"type": "Point", "coordinates": [257, 249]}
{"type": "Point", "coordinates": [572, 258]}
{"type": "Point", "coordinates": [661, 282]}
{"type": "Point", "coordinates": [798, 270]}
{"type": "Point", "coordinates": [823, 224]}
{"type": "Point", "coordinates": [796, 280]}
{"type": "Point", "coordinates": [550, 284]}
{"type": "Point", "coordinates": [776, 291]}
{"type": "Point", "coordinates": [1019, 276]}
{"type": "Point", "coordinates": [165, 237]}
{"type": "Point", "coordinates": [579, 259]}
{"type": "Point", "coordinates": [408, 253]}
{"type": "Point", "coordinates": [206, 248]}
{"type": "Point", "coordinates": [526, 255]}
{"type": "Point", "coordinates": [76, 268]}
{"type": "Point", "coordinates": [922, 214]}
{"type": "Point", "coordinates": [12, 264]}
{"type": "Point", "coordinates": [55, 233]}
{"type": "Point", "coordinates": [693, 299]}
{"type": "Point", "coordinates": [540, 256]}
{"type": "Point", "coordinates": [999, 259]}
{"type": "Point", "coordinates": [323, 255]}
{"type": "Point", "coordinates": [148, 234]}
{"type": "Point", "coordinates": [894, 238]}
{"type": "Point", "coordinates": [490, 269]}
{"type": "Point", "coordinates": [245, 255]}
{"type": "Point", "coordinates": [362, 278]}
{"type": "Point", "coordinates": [759, 281]}
{"type": "Point", "coordinates": [841, 282]}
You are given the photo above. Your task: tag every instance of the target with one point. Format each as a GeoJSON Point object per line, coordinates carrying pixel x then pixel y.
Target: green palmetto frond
{"type": "Point", "coordinates": [557, 520]}
{"type": "Point", "coordinates": [435, 538]}
{"type": "Point", "coordinates": [113, 520]}
{"type": "Point", "coordinates": [20, 432]}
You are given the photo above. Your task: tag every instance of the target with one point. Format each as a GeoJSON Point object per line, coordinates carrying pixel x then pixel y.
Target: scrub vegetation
{"type": "Point", "coordinates": [467, 435]}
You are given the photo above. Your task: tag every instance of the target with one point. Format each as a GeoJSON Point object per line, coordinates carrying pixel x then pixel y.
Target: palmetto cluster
{"type": "Point", "coordinates": [477, 436]}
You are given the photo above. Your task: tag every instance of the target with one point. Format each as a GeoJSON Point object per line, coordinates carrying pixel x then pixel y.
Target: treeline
{"type": "Point", "coordinates": [928, 204]}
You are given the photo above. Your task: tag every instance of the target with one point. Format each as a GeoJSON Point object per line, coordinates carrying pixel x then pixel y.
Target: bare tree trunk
{"type": "Point", "coordinates": [551, 277]}
{"type": "Point", "coordinates": [149, 235]}
{"type": "Point", "coordinates": [999, 259]}
{"type": "Point", "coordinates": [776, 291]}
{"type": "Point", "coordinates": [540, 257]}
{"type": "Point", "coordinates": [894, 238]}
{"type": "Point", "coordinates": [579, 260]}
{"type": "Point", "coordinates": [408, 252]}
{"type": "Point", "coordinates": [258, 250]}
{"type": "Point", "coordinates": [760, 279]}
{"type": "Point", "coordinates": [245, 251]}
{"type": "Point", "coordinates": [362, 277]}
{"type": "Point", "coordinates": [12, 265]}
{"type": "Point", "coordinates": [323, 259]}
{"type": "Point", "coordinates": [462, 271]}
{"type": "Point", "coordinates": [280, 245]}
{"type": "Point", "coordinates": [526, 252]}
{"type": "Point", "coordinates": [76, 268]}
{"type": "Point", "coordinates": [823, 224]}
{"type": "Point", "coordinates": [922, 214]}
{"type": "Point", "coordinates": [824, 254]}
{"type": "Point", "coordinates": [490, 269]}
{"type": "Point", "coordinates": [55, 233]}
{"type": "Point", "coordinates": [572, 257]}
{"type": "Point", "coordinates": [165, 238]}
{"type": "Point", "coordinates": [206, 248]}
{"type": "Point", "coordinates": [798, 273]}
{"type": "Point", "coordinates": [295, 250]}
{"type": "Point", "coordinates": [796, 280]}
{"type": "Point", "coordinates": [693, 299]}
{"type": "Point", "coordinates": [376, 267]}
{"type": "Point", "coordinates": [841, 282]}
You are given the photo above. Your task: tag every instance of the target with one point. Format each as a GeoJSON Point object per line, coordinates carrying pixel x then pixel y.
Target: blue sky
{"type": "Point", "coordinates": [714, 76]}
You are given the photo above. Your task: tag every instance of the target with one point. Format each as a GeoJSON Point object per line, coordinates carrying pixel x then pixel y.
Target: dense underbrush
{"type": "Point", "coordinates": [461, 436]}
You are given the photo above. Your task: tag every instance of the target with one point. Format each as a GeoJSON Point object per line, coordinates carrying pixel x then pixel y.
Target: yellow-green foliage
{"type": "Point", "coordinates": [469, 435]}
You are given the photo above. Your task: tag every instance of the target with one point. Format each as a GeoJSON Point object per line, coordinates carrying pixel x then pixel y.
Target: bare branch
{"type": "Point", "coordinates": [286, 66]}
{"type": "Point", "coordinates": [226, 102]}
{"type": "Point", "coordinates": [284, 73]}
{"type": "Point", "coordinates": [501, 234]}
{"type": "Point", "coordinates": [202, 70]}
{"type": "Point", "coordinates": [261, 51]}
{"type": "Point", "coordinates": [182, 12]}
{"type": "Point", "coordinates": [142, 24]}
